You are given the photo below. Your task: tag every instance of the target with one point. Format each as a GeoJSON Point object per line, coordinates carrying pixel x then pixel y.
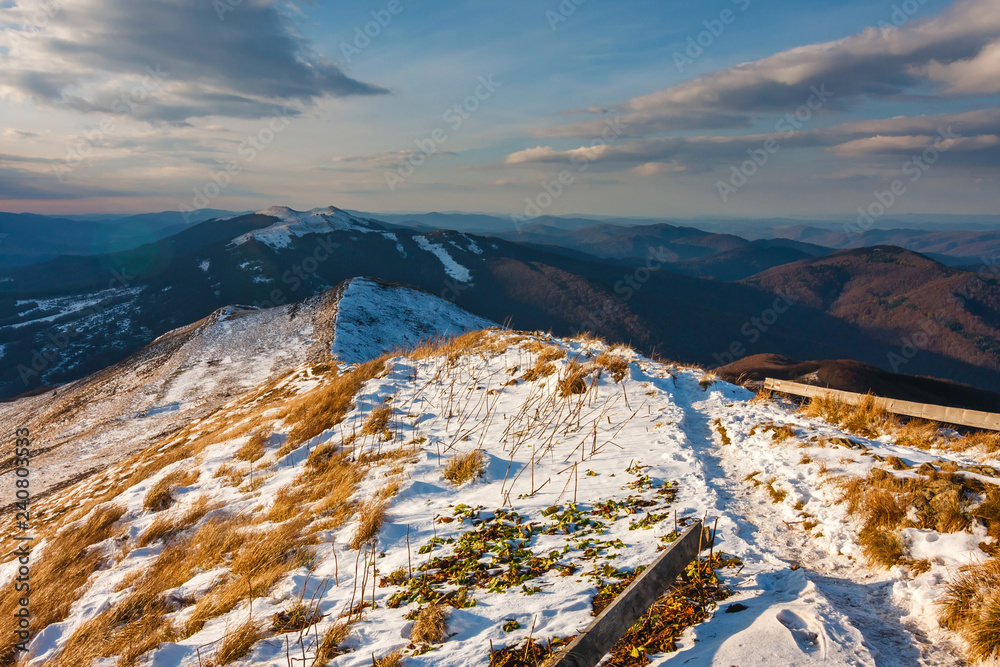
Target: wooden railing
{"type": "Point", "coordinates": [591, 645]}
{"type": "Point", "coordinates": [937, 413]}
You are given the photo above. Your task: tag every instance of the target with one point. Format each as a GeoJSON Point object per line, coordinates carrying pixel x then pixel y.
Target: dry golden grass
{"type": "Point", "coordinates": [58, 577]}
{"type": "Point", "coordinates": [431, 626]}
{"type": "Point", "coordinates": [164, 527]}
{"type": "Point", "coordinates": [573, 380]}
{"type": "Point", "coordinates": [259, 560]}
{"type": "Point", "coordinates": [987, 440]}
{"type": "Point", "coordinates": [236, 644]}
{"type": "Point", "coordinates": [885, 503]}
{"type": "Point", "coordinates": [388, 491]}
{"type": "Point", "coordinates": [232, 474]}
{"type": "Point", "coordinates": [378, 422]}
{"type": "Point", "coordinates": [370, 517]}
{"type": "Point", "coordinates": [289, 501]}
{"type": "Point", "coordinates": [543, 367]}
{"type": "Point", "coordinates": [782, 433]}
{"type": "Point", "coordinates": [160, 497]}
{"type": "Point", "coordinates": [136, 624]}
{"type": "Point", "coordinates": [254, 447]}
{"type": "Point", "coordinates": [881, 547]}
{"type": "Point", "coordinates": [971, 606]}
{"type": "Point", "coordinates": [616, 366]}
{"type": "Point", "coordinates": [57, 580]}
{"type": "Point", "coordinates": [332, 639]}
{"type": "Point", "coordinates": [299, 617]}
{"type": "Point", "coordinates": [466, 467]}
{"type": "Point", "coordinates": [325, 406]}
{"type": "Point", "coordinates": [723, 433]}
{"type": "Point", "coordinates": [777, 495]}
{"type": "Point", "coordinates": [919, 434]}
{"type": "Point", "coordinates": [393, 659]}
{"type": "Point", "coordinates": [485, 341]}
{"type": "Point", "coordinates": [707, 380]}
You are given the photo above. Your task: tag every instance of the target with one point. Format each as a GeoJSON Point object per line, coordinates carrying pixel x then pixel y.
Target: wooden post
{"type": "Point", "coordinates": [591, 645]}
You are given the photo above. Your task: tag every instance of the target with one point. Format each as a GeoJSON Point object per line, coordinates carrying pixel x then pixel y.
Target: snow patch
{"type": "Point", "coordinates": [451, 267]}
{"type": "Point", "coordinates": [300, 223]}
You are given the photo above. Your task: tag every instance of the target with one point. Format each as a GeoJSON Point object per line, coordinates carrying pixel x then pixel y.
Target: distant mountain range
{"type": "Point", "coordinates": [72, 315]}
{"type": "Point", "coordinates": [26, 238]}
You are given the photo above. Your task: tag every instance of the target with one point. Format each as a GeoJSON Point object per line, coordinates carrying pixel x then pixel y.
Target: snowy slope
{"type": "Point", "coordinates": [299, 223]}
{"type": "Point", "coordinates": [189, 373]}
{"type": "Point", "coordinates": [808, 600]}
{"type": "Point", "coordinates": [374, 318]}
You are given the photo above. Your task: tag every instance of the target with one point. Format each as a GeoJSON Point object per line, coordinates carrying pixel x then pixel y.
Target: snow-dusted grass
{"type": "Point", "coordinates": [592, 459]}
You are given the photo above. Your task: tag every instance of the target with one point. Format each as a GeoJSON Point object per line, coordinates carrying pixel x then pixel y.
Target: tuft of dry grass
{"type": "Point", "coordinates": [777, 495]}
{"type": "Point", "coordinates": [254, 447]}
{"type": "Point", "coordinates": [573, 380]}
{"type": "Point", "coordinates": [881, 547]}
{"type": "Point", "coordinates": [378, 422]}
{"type": "Point", "coordinates": [332, 639]}
{"type": "Point", "coordinates": [782, 433]}
{"type": "Point", "coordinates": [296, 619]}
{"type": "Point", "coordinates": [707, 380]}
{"type": "Point", "coordinates": [370, 517]}
{"type": "Point", "coordinates": [466, 467]}
{"type": "Point", "coordinates": [431, 626]}
{"type": "Point", "coordinates": [989, 441]}
{"type": "Point", "coordinates": [160, 497]}
{"type": "Point", "coordinates": [393, 659]}
{"type": "Point", "coordinates": [233, 475]}
{"type": "Point", "coordinates": [971, 607]}
{"type": "Point", "coordinates": [237, 644]}
{"type": "Point", "coordinates": [867, 418]}
{"type": "Point", "coordinates": [616, 366]}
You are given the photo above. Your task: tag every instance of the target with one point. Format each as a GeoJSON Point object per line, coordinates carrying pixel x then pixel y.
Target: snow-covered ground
{"type": "Point", "coordinates": [552, 461]}
{"type": "Point", "coordinates": [187, 374]}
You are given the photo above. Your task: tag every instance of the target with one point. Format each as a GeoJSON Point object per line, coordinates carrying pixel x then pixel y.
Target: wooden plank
{"type": "Point", "coordinates": [611, 625]}
{"type": "Point", "coordinates": [938, 413]}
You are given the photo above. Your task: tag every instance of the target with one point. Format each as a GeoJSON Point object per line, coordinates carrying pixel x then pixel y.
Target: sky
{"type": "Point", "coordinates": [656, 108]}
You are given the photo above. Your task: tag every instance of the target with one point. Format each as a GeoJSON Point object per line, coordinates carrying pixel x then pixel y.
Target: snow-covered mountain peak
{"type": "Point", "coordinates": [300, 223]}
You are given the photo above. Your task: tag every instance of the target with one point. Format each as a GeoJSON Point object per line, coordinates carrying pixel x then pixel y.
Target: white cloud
{"type": "Point", "coordinates": [90, 55]}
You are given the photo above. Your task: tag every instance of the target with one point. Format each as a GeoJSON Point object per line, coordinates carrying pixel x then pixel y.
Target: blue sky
{"type": "Point", "coordinates": [138, 105]}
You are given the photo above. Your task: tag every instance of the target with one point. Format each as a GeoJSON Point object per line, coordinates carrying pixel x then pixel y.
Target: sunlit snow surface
{"type": "Point", "coordinates": [300, 223]}
{"type": "Point", "coordinates": [544, 450]}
